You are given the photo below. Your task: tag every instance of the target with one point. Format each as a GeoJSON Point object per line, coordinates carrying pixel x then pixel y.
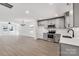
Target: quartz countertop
{"type": "Point", "coordinates": [71, 41]}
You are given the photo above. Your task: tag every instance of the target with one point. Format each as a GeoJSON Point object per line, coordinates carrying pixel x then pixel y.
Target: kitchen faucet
{"type": "Point", "coordinates": [72, 31]}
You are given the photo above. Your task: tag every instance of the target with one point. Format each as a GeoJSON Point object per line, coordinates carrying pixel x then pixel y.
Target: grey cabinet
{"type": "Point", "coordinates": [76, 14]}
{"type": "Point", "coordinates": [57, 38]}
{"type": "Point", "coordinates": [69, 50]}
{"type": "Point", "coordinates": [45, 36]}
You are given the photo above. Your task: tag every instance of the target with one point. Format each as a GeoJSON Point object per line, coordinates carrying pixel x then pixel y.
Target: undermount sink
{"type": "Point", "coordinates": [66, 36]}
{"type": "Point", "coordinates": [69, 37]}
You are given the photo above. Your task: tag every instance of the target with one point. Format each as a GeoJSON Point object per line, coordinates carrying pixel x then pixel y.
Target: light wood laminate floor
{"type": "Point", "coordinates": [26, 46]}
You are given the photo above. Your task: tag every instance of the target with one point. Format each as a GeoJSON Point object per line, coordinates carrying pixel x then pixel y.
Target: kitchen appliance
{"type": "Point", "coordinates": [51, 33]}
{"type": "Point", "coordinates": [51, 26]}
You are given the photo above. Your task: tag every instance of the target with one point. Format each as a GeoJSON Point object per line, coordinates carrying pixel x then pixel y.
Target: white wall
{"type": "Point", "coordinates": [40, 31]}
{"type": "Point", "coordinates": [29, 29]}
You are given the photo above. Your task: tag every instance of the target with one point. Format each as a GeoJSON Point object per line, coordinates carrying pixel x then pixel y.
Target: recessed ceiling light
{"type": "Point", "coordinates": [50, 3]}
{"type": "Point", "coordinates": [71, 12]}
{"type": "Point", "coordinates": [27, 11]}
{"type": "Point", "coordinates": [56, 15]}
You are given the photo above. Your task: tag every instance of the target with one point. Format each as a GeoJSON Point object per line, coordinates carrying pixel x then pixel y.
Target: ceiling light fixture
{"type": "Point", "coordinates": [23, 24]}
{"type": "Point", "coordinates": [27, 11]}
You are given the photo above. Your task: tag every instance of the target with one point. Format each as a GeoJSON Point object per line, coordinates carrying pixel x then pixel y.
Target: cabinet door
{"type": "Point", "coordinates": [76, 14]}
{"type": "Point", "coordinates": [69, 50]}
{"type": "Point", "coordinates": [60, 23]}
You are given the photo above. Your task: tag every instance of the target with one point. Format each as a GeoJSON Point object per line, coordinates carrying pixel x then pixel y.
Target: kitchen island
{"type": "Point", "coordinates": [69, 46]}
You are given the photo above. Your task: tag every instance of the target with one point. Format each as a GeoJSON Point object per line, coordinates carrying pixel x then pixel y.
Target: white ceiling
{"type": "Point", "coordinates": [36, 10]}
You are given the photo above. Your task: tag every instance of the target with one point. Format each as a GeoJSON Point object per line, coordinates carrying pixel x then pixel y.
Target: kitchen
{"type": "Point", "coordinates": [39, 26]}
{"type": "Point", "coordinates": [65, 30]}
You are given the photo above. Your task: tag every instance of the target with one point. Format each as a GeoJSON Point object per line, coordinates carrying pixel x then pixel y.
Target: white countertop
{"type": "Point", "coordinates": [71, 41]}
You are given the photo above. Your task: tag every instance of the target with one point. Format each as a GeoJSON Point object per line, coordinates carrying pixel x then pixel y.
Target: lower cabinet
{"type": "Point", "coordinates": [69, 50]}
{"type": "Point", "coordinates": [45, 36]}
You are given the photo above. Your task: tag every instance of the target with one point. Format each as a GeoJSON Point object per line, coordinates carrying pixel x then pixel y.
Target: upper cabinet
{"type": "Point", "coordinates": [69, 15]}
{"type": "Point", "coordinates": [76, 14]}
{"type": "Point", "coordinates": [57, 23]}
